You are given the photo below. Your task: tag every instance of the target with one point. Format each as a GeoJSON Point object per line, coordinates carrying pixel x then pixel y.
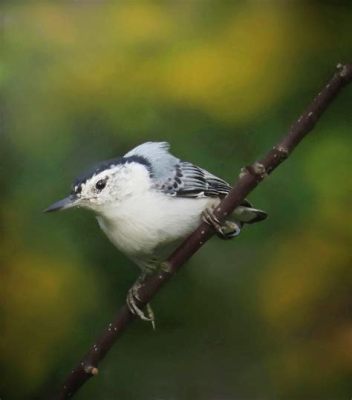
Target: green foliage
{"type": "Point", "coordinates": [264, 316]}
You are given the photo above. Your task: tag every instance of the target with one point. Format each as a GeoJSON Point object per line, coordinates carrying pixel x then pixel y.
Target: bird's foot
{"type": "Point", "coordinates": [225, 230]}
{"type": "Point", "coordinates": [229, 230]}
{"type": "Point", "coordinates": [209, 218]}
{"type": "Point", "coordinates": [133, 298]}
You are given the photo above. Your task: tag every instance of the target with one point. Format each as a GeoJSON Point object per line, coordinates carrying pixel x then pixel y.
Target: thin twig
{"type": "Point", "coordinates": [249, 178]}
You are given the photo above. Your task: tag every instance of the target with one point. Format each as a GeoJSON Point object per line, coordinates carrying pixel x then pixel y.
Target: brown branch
{"type": "Point", "coordinates": [249, 178]}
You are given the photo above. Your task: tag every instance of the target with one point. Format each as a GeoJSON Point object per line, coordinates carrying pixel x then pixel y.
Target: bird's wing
{"type": "Point", "coordinates": [188, 180]}
{"type": "Point", "coordinates": [178, 178]}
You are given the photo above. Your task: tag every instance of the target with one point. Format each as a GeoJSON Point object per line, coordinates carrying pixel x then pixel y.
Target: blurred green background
{"type": "Point", "coordinates": [265, 316]}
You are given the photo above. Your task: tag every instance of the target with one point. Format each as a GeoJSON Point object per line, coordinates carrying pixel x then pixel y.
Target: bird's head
{"type": "Point", "coordinates": [108, 184]}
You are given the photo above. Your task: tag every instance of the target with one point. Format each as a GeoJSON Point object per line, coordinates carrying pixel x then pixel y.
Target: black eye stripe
{"type": "Point", "coordinates": [108, 164]}
{"type": "Point", "coordinates": [76, 189]}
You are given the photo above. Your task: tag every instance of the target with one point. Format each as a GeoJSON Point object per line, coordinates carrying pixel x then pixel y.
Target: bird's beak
{"type": "Point", "coordinates": [64, 204]}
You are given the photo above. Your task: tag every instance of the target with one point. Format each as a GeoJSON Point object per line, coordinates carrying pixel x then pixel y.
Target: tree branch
{"type": "Point", "coordinates": [249, 178]}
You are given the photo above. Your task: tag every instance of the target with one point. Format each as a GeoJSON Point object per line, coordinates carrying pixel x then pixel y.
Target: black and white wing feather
{"type": "Point", "coordinates": [188, 180]}
{"type": "Point", "coordinates": [183, 179]}
{"type": "Point", "coordinates": [179, 178]}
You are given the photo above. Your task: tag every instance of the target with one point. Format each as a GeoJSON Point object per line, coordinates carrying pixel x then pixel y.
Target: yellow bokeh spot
{"type": "Point", "coordinates": [228, 74]}
{"type": "Point", "coordinates": [300, 275]}
{"type": "Point", "coordinates": [41, 301]}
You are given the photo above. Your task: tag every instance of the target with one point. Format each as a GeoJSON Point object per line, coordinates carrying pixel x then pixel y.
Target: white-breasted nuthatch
{"type": "Point", "coordinates": [148, 201]}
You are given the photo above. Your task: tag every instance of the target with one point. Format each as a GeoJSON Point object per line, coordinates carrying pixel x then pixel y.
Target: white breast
{"type": "Point", "coordinates": [141, 223]}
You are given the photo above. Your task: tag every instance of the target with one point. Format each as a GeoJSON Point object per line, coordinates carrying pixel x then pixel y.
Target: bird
{"type": "Point", "coordinates": [148, 201]}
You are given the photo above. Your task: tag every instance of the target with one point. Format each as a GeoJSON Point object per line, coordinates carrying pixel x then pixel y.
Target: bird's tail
{"type": "Point", "coordinates": [249, 215]}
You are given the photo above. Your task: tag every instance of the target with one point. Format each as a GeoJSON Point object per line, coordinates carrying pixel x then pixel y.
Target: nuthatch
{"type": "Point", "coordinates": [148, 201]}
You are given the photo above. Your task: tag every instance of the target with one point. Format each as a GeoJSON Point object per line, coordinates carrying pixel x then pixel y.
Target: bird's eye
{"type": "Point", "coordinates": [100, 185]}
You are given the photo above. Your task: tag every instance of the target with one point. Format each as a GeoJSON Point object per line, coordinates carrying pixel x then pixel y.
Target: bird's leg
{"type": "Point", "coordinates": [225, 230]}
{"type": "Point", "coordinates": [131, 298]}
{"type": "Point", "coordinates": [133, 295]}
{"type": "Point", "coordinates": [209, 218]}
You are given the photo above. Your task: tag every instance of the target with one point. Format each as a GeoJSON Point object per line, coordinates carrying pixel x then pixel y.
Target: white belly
{"type": "Point", "coordinates": [138, 226]}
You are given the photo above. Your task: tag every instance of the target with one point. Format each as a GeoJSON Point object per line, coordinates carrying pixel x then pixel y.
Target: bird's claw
{"type": "Point", "coordinates": [229, 230]}
{"type": "Point", "coordinates": [225, 230]}
{"type": "Point", "coordinates": [131, 298]}
{"type": "Point", "coordinates": [209, 218]}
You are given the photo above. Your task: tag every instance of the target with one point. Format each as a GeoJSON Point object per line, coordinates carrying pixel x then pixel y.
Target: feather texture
{"type": "Point", "coordinates": [179, 178]}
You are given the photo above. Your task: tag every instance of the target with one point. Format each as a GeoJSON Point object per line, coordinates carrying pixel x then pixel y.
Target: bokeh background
{"type": "Point", "coordinates": [265, 316]}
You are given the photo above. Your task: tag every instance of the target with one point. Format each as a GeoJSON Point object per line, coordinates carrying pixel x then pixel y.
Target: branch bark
{"type": "Point", "coordinates": [250, 176]}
